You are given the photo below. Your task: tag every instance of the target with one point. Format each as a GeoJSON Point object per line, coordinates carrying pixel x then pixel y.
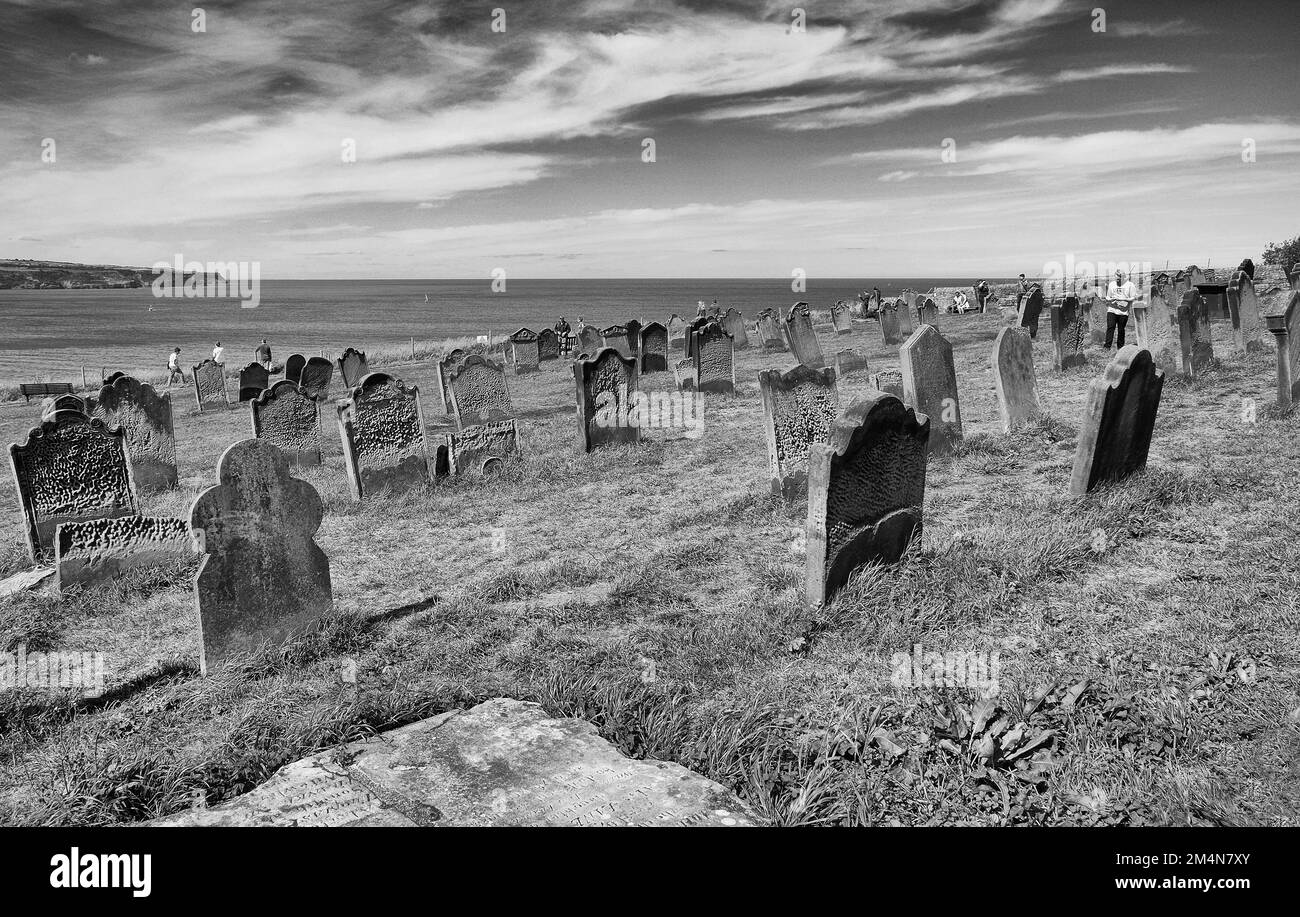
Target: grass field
{"type": "Point", "coordinates": [1147, 634]}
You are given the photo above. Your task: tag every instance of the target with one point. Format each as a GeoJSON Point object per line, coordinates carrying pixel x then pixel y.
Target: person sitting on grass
{"type": "Point", "coordinates": [174, 367]}
{"type": "Point", "coordinates": [960, 303]}
{"type": "Point", "coordinates": [1119, 299]}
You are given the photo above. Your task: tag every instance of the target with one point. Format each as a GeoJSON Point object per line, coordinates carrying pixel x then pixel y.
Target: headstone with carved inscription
{"type": "Point", "coordinates": [930, 386]}
{"type": "Point", "coordinates": [285, 417]}
{"type": "Point", "coordinates": [654, 348]}
{"type": "Point", "coordinates": [381, 427]}
{"type": "Point", "coordinates": [802, 338]}
{"type": "Point", "coordinates": [548, 345]}
{"type": "Point", "coordinates": [317, 374]}
{"type": "Point", "coordinates": [588, 339]}
{"type": "Point", "coordinates": [605, 384]}
{"type": "Point", "coordinates": [799, 407]}
{"type": "Point", "coordinates": [1194, 334]}
{"type": "Point", "coordinates": [715, 365]}
{"type": "Point", "coordinates": [890, 326]}
{"type": "Point", "coordinates": [1014, 379]}
{"type": "Point", "coordinates": [1118, 418]}
{"type": "Point", "coordinates": [481, 449]}
{"type": "Point", "coordinates": [1069, 334]}
{"type": "Point", "coordinates": [616, 336]}
{"type": "Point", "coordinates": [769, 331]}
{"type": "Point", "coordinates": [734, 323]}
{"type": "Point", "coordinates": [842, 318]}
{"type": "Point", "coordinates": [210, 384]}
{"type": "Point", "coordinates": [478, 391]}
{"type": "Point", "coordinates": [524, 355]}
{"type": "Point", "coordinates": [146, 418]}
{"type": "Point", "coordinates": [1243, 309]}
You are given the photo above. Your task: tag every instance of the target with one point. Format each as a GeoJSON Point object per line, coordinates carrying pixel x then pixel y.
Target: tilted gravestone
{"type": "Point", "coordinates": [799, 408]}
{"type": "Point", "coordinates": [850, 362]}
{"type": "Point", "coordinates": [616, 336]}
{"type": "Point", "coordinates": [445, 366]}
{"type": "Point", "coordinates": [1014, 378]}
{"type": "Point", "coordinates": [842, 318]}
{"type": "Point", "coordinates": [734, 323]}
{"type": "Point", "coordinates": [524, 353]}
{"type": "Point", "coordinates": [684, 374]}
{"type": "Point", "coordinates": [146, 417]}
{"type": "Point", "coordinates": [86, 553]}
{"type": "Point", "coordinates": [605, 386]}
{"type": "Point", "coordinates": [1285, 328]}
{"type": "Point", "coordinates": [264, 580]}
{"type": "Point", "coordinates": [381, 427]}
{"type": "Point", "coordinates": [907, 316]}
{"type": "Point", "coordinates": [891, 331]}
{"type": "Point", "coordinates": [715, 364]}
{"type": "Point", "coordinates": [317, 374]}
{"type": "Point", "coordinates": [866, 487]}
{"type": "Point", "coordinates": [293, 367]}
{"type": "Point", "coordinates": [930, 386]}
{"type": "Point", "coordinates": [633, 337]}
{"type": "Point", "coordinates": [290, 421]}
{"type": "Point", "coordinates": [1069, 334]}
{"type": "Point", "coordinates": [1118, 417]}
{"type": "Point", "coordinates": [548, 345]}
{"type": "Point", "coordinates": [210, 384]}
{"type": "Point", "coordinates": [803, 340]}
{"type": "Point", "coordinates": [253, 380]}
{"type": "Point", "coordinates": [588, 339]}
{"type": "Point", "coordinates": [478, 391]}
{"type": "Point", "coordinates": [691, 330]}
{"type": "Point", "coordinates": [72, 468]}
{"type": "Point", "coordinates": [1243, 309]}
{"type": "Point", "coordinates": [353, 367]}
{"type": "Point", "coordinates": [1194, 334]}
{"type": "Point", "coordinates": [769, 331]}
{"type": "Point", "coordinates": [654, 348]}
{"type": "Point", "coordinates": [891, 381]}
{"type": "Point", "coordinates": [677, 330]}
{"type": "Point", "coordinates": [482, 448]}
{"type": "Point", "coordinates": [1031, 310]}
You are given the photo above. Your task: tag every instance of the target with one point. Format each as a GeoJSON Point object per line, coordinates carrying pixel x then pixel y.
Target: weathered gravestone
{"type": "Point", "coordinates": [1194, 334]}
{"type": "Point", "coordinates": [548, 345]}
{"type": "Point", "coordinates": [799, 408]}
{"type": "Point", "coordinates": [264, 580]}
{"type": "Point", "coordinates": [210, 384]}
{"type": "Point", "coordinates": [146, 417]}
{"type": "Point", "coordinates": [1031, 310]}
{"type": "Point", "coordinates": [633, 337]}
{"type": "Point", "coordinates": [72, 468]}
{"type": "Point", "coordinates": [616, 336]}
{"type": "Point", "coordinates": [317, 374]}
{"type": "Point", "coordinates": [930, 386]}
{"type": "Point", "coordinates": [253, 380]}
{"type": "Point", "coordinates": [891, 381]}
{"type": "Point", "coordinates": [803, 340]}
{"type": "Point", "coordinates": [684, 374]}
{"type": "Point", "coordinates": [289, 420]}
{"type": "Point", "coordinates": [715, 365]}
{"type": "Point", "coordinates": [353, 367]}
{"type": "Point", "coordinates": [606, 385]}
{"type": "Point", "coordinates": [97, 550]}
{"type": "Point", "coordinates": [482, 448]}
{"type": "Point", "coordinates": [734, 323]}
{"type": "Point", "coordinates": [65, 403]}
{"type": "Point", "coordinates": [850, 362]}
{"type": "Point", "coordinates": [504, 763]}
{"type": "Point", "coordinates": [906, 316]}
{"type": "Point", "coordinates": [524, 353]}
{"type": "Point", "coordinates": [1092, 316]}
{"type": "Point", "coordinates": [691, 330]}
{"type": "Point", "coordinates": [1014, 378]}
{"type": "Point", "coordinates": [842, 318]}
{"type": "Point", "coordinates": [588, 339]}
{"type": "Point", "coordinates": [890, 326]}
{"type": "Point", "coordinates": [769, 331]}
{"type": "Point", "coordinates": [677, 330]}
{"type": "Point", "coordinates": [1285, 328]}
{"type": "Point", "coordinates": [381, 427]}
{"type": "Point", "coordinates": [478, 391]}
{"type": "Point", "coordinates": [293, 367]}
{"type": "Point", "coordinates": [927, 313]}
{"type": "Point", "coordinates": [654, 348]}
{"type": "Point", "coordinates": [1155, 323]}
{"type": "Point", "coordinates": [1069, 334]}
{"type": "Point", "coordinates": [445, 366]}
{"type": "Point", "coordinates": [1243, 309]}
{"type": "Point", "coordinates": [866, 487]}
{"type": "Point", "coordinates": [1118, 417]}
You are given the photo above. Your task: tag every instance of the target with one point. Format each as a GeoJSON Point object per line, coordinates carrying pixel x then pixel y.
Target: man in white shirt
{"type": "Point", "coordinates": [1119, 299]}
{"type": "Point", "coordinates": [219, 354]}
{"type": "Point", "coordinates": [174, 367]}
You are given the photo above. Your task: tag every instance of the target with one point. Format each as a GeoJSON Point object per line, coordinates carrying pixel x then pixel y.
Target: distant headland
{"type": "Point", "coordinates": [18, 274]}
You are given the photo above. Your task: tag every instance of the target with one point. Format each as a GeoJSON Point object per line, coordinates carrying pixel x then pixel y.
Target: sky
{"type": "Point", "coordinates": [931, 138]}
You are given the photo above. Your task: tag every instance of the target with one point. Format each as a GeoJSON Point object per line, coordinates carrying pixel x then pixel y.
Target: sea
{"type": "Point", "coordinates": [55, 335]}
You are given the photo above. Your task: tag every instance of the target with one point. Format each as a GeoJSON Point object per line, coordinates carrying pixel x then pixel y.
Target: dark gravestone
{"type": "Point", "coordinates": [866, 487]}
{"type": "Point", "coordinates": [1069, 334]}
{"type": "Point", "coordinates": [1118, 417]}
{"type": "Point", "coordinates": [616, 336]}
{"type": "Point", "coordinates": [548, 345]}
{"type": "Point", "coordinates": [381, 427]}
{"type": "Point", "coordinates": [1031, 310]}
{"type": "Point", "coordinates": [803, 340]}
{"type": "Point", "coordinates": [1285, 328]}
{"type": "Point", "coordinates": [293, 367]}
{"type": "Point", "coordinates": [734, 323]}
{"type": "Point", "coordinates": [691, 331]}
{"type": "Point", "coordinates": [95, 551]}
{"type": "Point", "coordinates": [317, 374]}
{"type": "Point", "coordinates": [264, 580]}
{"type": "Point", "coordinates": [146, 417]}
{"type": "Point", "coordinates": [930, 386]}
{"type": "Point", "coordinates": [684, 374]}
{"type": "Point", "coordinates": [1243, 309]}
{"type": "Point", "coordinates": [1194, 334]}
{"type": "Point", "coordinates": [715, 365]}
{"type": "Point", "coordinates": [210, 384]}
{"type": "Point", "coordinates": [842, 318]}
{"type": "Point", "coordinates": [290, 421]}
{"type": "Point", "coordinates": [891, 381]}
{"type": "Point", "coordinates": [890, 327]}
{"type": "Point", "coordinates": [633, 337]}
{"type": "Point", "coordinates": [605, 386]}
{"type": "Point", "coordinates": [799, 408]}
{"type": "Point", "coordinates": [654, 348]}
{"type": "Point", "coordinates": [481, 449]}
{"type": "Point", "coordinates": [478, 391]}
{"type": "Point", "coordinates": [524, 352]}
{"type": "Point", "coordinates": [72, 468]}
{"type": "Point", "coordinates": [1014, 378]}
{"type": "Point", "coordinates": [253, 380]}
{"type": "Point", "coordinates": [850, 362]}
{"type": "Point", "coordinates": [353, 367]}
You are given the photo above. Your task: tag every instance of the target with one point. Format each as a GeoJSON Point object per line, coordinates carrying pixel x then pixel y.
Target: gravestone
{"type": "Point", "coordinates": [803, 340]}
{"type": "Point", "coordinates": [799, 408]}
{"type": "Point", "coordinates": [1069, 334]}
{"type": "Point", "coordinates": [146, 418]}
{"type": "Point", "coordinates": [691, 330]}
{"type": "Point", "coordinates": [906, 316]}
{"type": "Point", "coordinates": [891, 381]}
{"type": "Point", "coordinates": [1095, 320]}
{"type": "Point", "coordinates": [715, 365]}
{"type": "Point", "coordinates": [71, 468]}
{"type": "Point", "coordinates": [633, 337]}
{"type": "Point", "coordinates": [478, 391]}
{"type": "Point", "coordinates": [677, 330]}
{"type": "Point", "coordinates": [66, 403]}
{"type": "Point", "coordinates": [317, 374]}
{"type": "Point", "coordinates": [891, 331]}
{"type": "Point", "coordinates": [654, 348]}
{"type": "Point", "coordinates": [1285, 328]}
{"type": "Point", "coordinates": [1031, 310]}
{"type": "Point", "coordinates": [264, 580]}
{"type": "Point", "coordinates": [1156, 325]}
{"type": "Point", "coordinates": [850, 362]}
{"type": "Point", "coordinates": [734, 323]}
{"type": "Point", "coordinates": [293, 367]}
{"type": "Point", "coordinates": [927, 313]}
{"type": "Point", "coordinates": [1118, 417]}
{"type": "Point", "coordinates": [353, 367]}
{"type": "Point", "coordinates": [684, 374]}
{"type": "Point", "coordinates": [866, 487]}
{"type": "Point", "coordinates": [548, 345]}
{"type": "Point", "coordinates": [1014, 378]}
{"type": "Point", "coordinates": [616, 336]}
{"type": "Point", "coordinates": [479, 448]}
{"type": "Point", "coordinates": [451, 361]}
{"type": "Point", "coordinates": [113, 377]}
{"type": "Point", "coordinates": [253, 380]}
{"type": "Point", "coordinates": [605, 387]}
{"type": "Point", "coordinates": [524, 353]}
{"type": "Point", "coordinates": [1194, 334]}
{"type": "Point", "coordinates": [210, 384]}
{"type": "Point", "coordinates": [930, 386]}
{"type": "Point", "coordinates": [589, 339]}
{"type": "Point", "coordinates": [286, 418]}
{"type": "Point", "coordinates": [769, 331]}
{"type": "Point", "coordinates": [1243, 309]}
{"type": "Point", "coordinates": [503, 763]}
{"type": "Point", "coordinates": [842, 318]}
{"type": "Point", "coordinates": [97, 550]}
{"type": "Point", "coordinates": [381, 427]}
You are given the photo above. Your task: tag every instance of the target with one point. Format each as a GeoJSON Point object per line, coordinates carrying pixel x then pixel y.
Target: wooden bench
{"type": "Point", "coordinates": [28, 389]}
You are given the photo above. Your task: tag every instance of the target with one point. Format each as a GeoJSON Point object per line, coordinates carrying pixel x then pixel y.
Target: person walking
{"type": "Point", "coordinates": [174, 367]}
{"type": "Point", "coordinates": [263, 354]}
{"type": "Point", "coordinates": [1119, 299]}
{"type": "Point", "coordinates": [219, 354]}
{"type": "Point", "coordinates": [982, 293]}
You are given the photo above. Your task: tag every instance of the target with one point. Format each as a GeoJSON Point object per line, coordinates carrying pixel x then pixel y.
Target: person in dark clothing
{"type": "Point", "coordinates": [263, 354]}
{"type": "Point", "coordinates": [561, 327]}
{"type": "Point", "coordinates": [982, 293]}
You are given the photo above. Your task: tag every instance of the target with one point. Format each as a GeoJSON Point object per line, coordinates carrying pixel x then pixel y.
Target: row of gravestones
{"type": "Point", "coordinates": [313, 374]}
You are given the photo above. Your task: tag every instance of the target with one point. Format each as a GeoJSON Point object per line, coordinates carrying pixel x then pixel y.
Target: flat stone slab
{"type": "Point", "coordinates": [27, 579]}
{"type": "Point", "coordinates": [503, 763]}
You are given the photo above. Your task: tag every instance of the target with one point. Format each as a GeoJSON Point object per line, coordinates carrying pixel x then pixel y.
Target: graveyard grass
{"type": "Point", "coordinates": [1146, 634]}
